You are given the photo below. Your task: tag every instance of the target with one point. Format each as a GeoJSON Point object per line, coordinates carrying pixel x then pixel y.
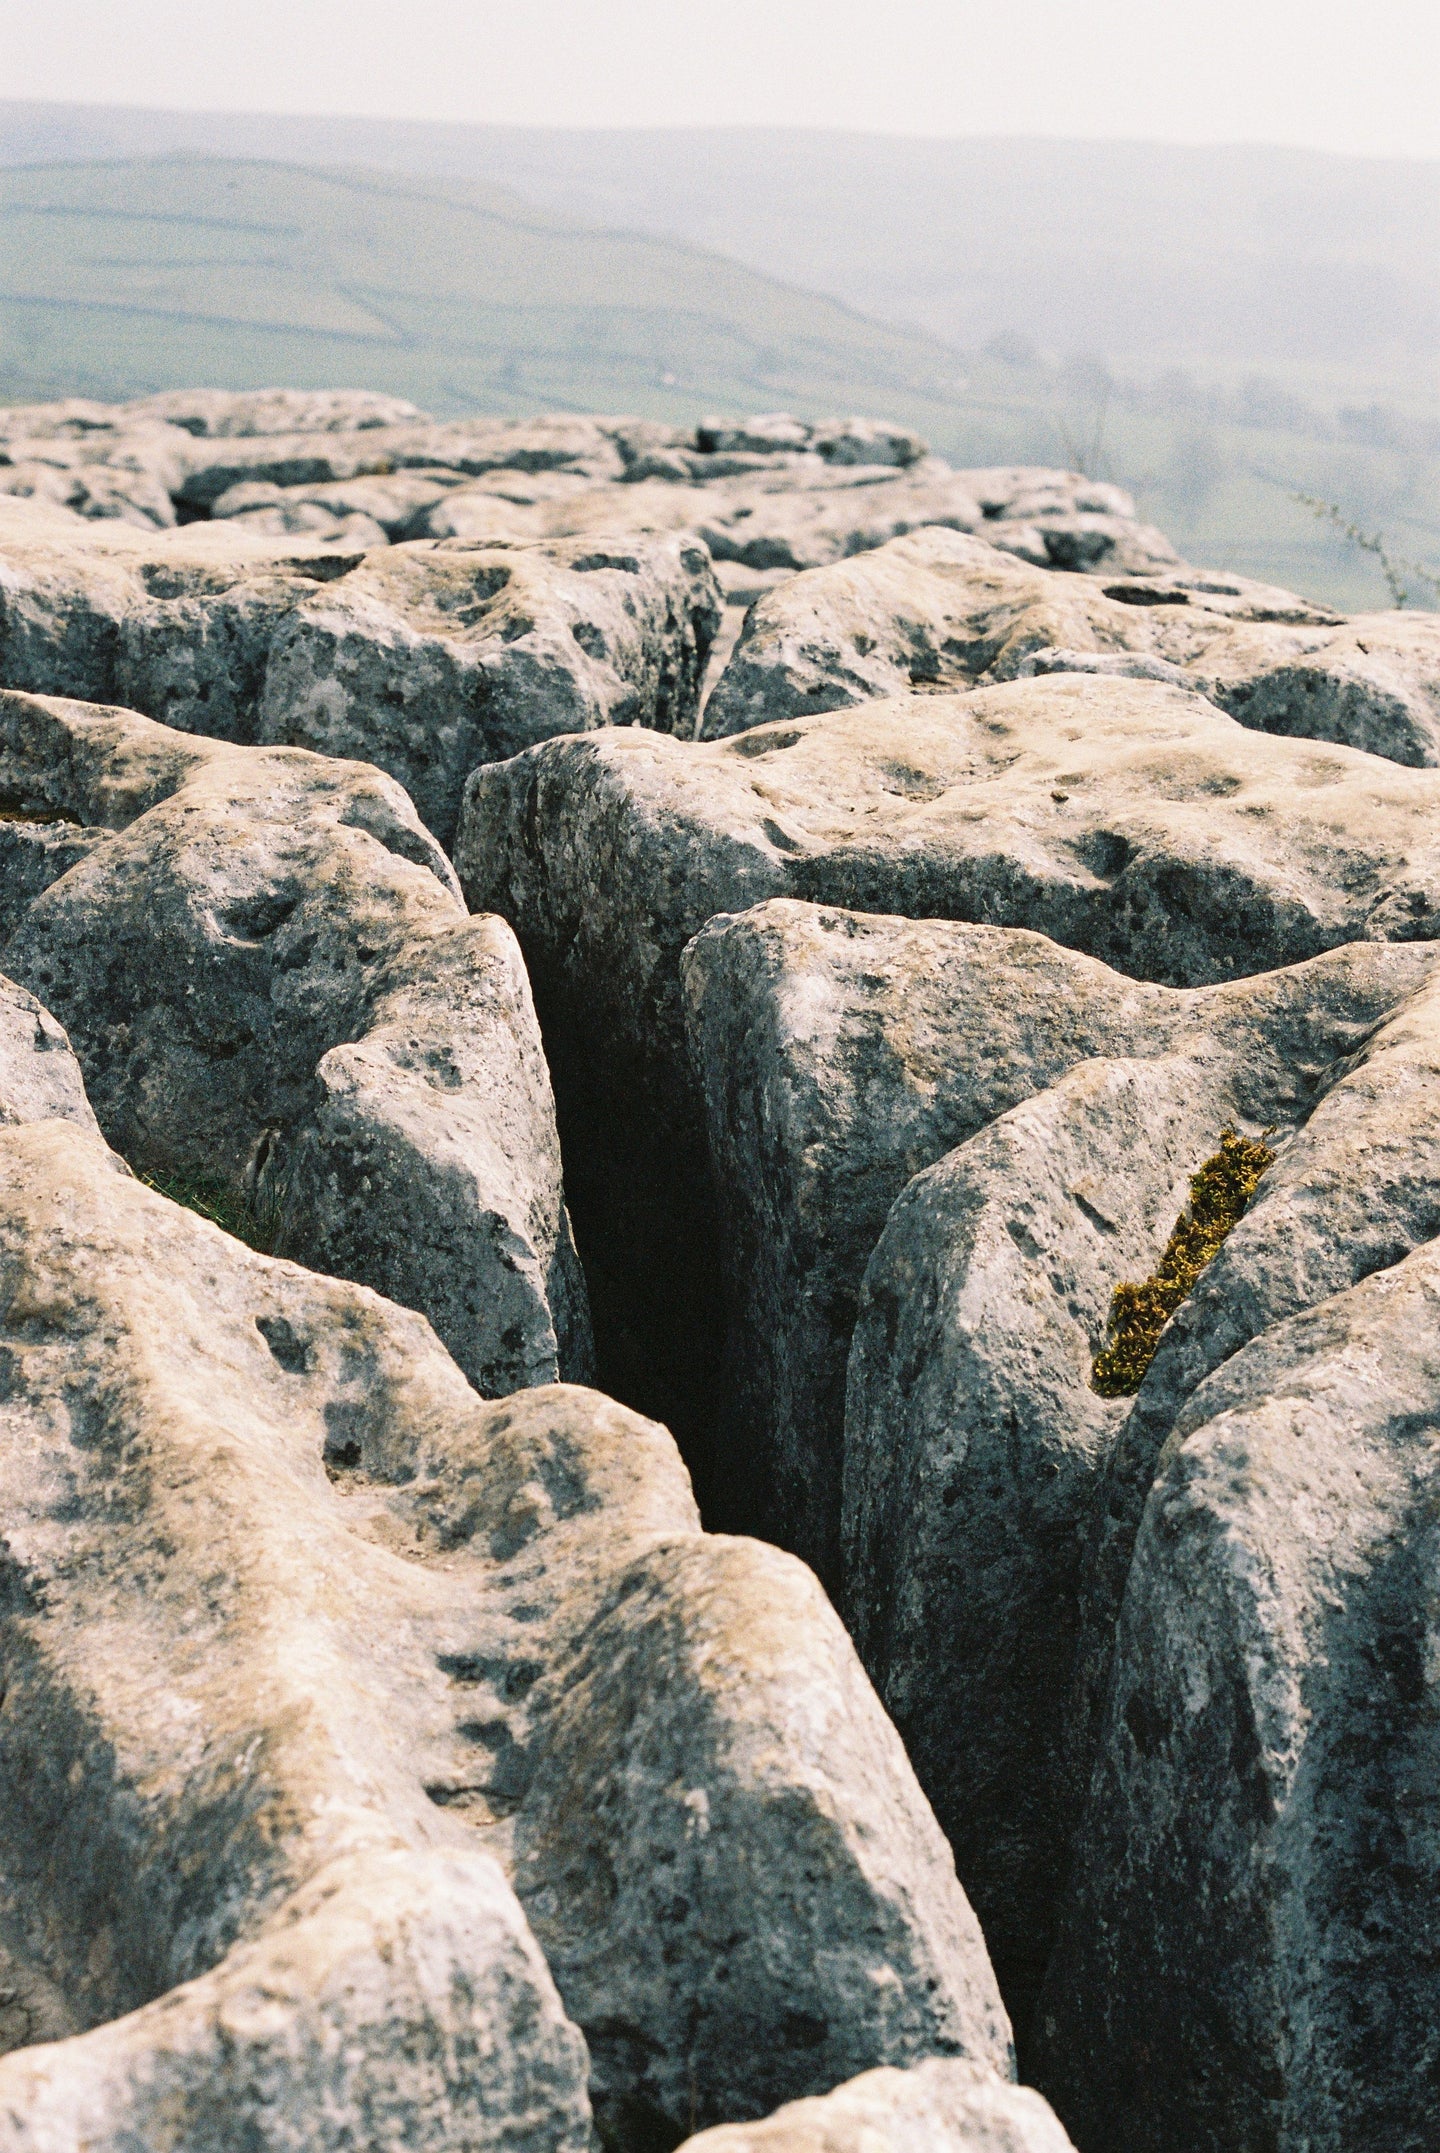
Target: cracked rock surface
{"type": "Point", "coordinates": [426, 659]}
{"type": "Point", "coordinates": [1125, 818]}
{"type": "Point", "coordinates": [1244, 1957]}
{"type": "Point", "coordinates": [938, 610]}
{"type": "Point", "coordinates": [271, 982]}
{"type": "Point", "coordinates": [326, 1685]}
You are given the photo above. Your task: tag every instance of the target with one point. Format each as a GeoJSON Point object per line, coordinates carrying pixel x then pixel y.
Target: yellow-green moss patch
{"type": "Point", "coordinates": [1219, 1192]}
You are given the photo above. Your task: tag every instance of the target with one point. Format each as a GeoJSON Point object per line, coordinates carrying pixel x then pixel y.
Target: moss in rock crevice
{"type": "Point", "coordinates": [256, 1223]}
{"type": "Point", "coordinates": [1219, 1193]}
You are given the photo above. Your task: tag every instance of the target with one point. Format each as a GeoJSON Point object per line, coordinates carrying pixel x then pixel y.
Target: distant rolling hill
{"type": "Point", "coordinates": [122, 277]}
{"type": "Point", "coordinates": [1259, 323]}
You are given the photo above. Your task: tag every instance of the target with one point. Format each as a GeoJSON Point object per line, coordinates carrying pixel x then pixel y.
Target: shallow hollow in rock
{"type": "Point", "coordinates": [938, 610]}
{"type": "Point", "coordinates": [424, 658]}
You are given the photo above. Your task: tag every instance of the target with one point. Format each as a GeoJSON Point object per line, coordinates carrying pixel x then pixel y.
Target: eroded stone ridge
{"type": "Point", "coordinates": [319, 1670]}
{"type": "Point", "coordinates": [1125, 818]}
{"type": "Point", "coordinates": [426, 659]}
{"type": "Point", "coordinates": [938, 610]}
{"type": "Point", "coordinates": [388, 1766]}
{"type": "Point", "coordinates": [269, 977]}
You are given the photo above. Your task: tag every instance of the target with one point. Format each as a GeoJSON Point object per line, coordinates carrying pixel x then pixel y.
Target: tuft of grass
{"type": "Point", "coordinates": [1219, 1193]}
{"type": "Point", "coordinates": [256, 1224]}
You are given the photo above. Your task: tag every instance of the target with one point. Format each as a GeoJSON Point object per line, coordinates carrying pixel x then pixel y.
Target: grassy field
{"type": "Point", "coordinates": [133, 274]}
{"type": "Point", "coordinates": [120, 278]}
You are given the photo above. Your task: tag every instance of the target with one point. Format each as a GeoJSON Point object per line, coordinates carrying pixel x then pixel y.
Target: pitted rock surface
{"type": "Point", "coordinates": [937, 610]}
{"type": "Point", "coordinates": [270, 980]}
{"type": "Point", "coordinates": [309, 1650]}
{"type": "Point", "coordinates": [841, 1055]}
{"type": "Point", "coordinates": [424, 659]}
{"type": "Point", "coordinates": [1124, 818]}
{"type": "Point", "coordinates": [1356, 1191]}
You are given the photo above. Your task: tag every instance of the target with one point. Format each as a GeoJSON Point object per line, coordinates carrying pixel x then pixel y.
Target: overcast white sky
{"type": "Point", "coordinates": [1355, 75]}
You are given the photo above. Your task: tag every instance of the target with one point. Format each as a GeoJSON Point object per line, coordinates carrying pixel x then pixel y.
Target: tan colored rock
{"type": "Point", "coordinates": [40, 1078]}
{"type": "Point", "coordinates": [936, 2107]}
{"type": "Point", "coordinates": [309, 1649]}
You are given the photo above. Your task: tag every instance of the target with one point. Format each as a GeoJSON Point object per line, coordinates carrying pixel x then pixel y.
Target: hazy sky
{"type": "Point", "coordinates": [1356, 75]}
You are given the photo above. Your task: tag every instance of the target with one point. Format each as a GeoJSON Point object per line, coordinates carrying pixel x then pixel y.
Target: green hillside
{"type": "Point", "coordinates": [124, 277]}
{"type": "Point", "coordinates": [143, 273]}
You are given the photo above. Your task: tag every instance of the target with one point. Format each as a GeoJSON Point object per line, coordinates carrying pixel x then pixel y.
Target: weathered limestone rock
{"type": "Point", "coordinates": [939, 610]}
{"type": "Point", "coordinates": [425, 659]}
{"type": "Point", "coordinates": [1355, 1192]}
{"type": "Point", "coordinates": [330, 456]}
{"type": "Point", "coordinates": [1121, 817]}
{"type": "Point", "coordinates": [73, 484]}
{"type": "Point", "coordinates": [800, 512]}
{"type": "Point", "coordinates": [428, 1164]}
{"type": "Point", "coordinates": [935, 2107]}
{"type": "Point", "coordinates": [231, 414]}
{"type": "Point", "coordinates": [40, 1078]}
{"type": "Point", "coordinates": [1248, 1955]}
{"type": "Point", "coordinates": [395, 506]}
{"type": "Point", "coordinates": [225, 1898]}
{"type": "Point", "coordinates": [432, 659]}
{"type": "Point", "coordinates": [841, 1055]}
{"type": "Point", "coordinates": [306, 1645]}
{"type": "Point", "coordinates": [267, 968]}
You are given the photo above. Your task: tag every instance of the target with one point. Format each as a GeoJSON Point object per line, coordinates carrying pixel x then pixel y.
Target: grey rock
{"type": "Point", "coordinates": [425, 659]}
{"type": "Point", "coordinates": [793, 509]}
{"type": "Point", "coordinates": [1355, 1192]}
{"type": "Point", "coordinates": [40, 1078]}
{"type": "Point", "coordinates": [866, 441]}
{"type": "Point", "coordinates": [32, 856]}
{"type": "Point", "coordinates": [310, 519]}
{"type": "Point", "coordinates": [324, 457]}
{"type": "Point", "coordinates": [439, 1643]}
{"type": "Point", "coordinates": [935, 2107]}
{"type": "Point", "coordinates": [965, 1510]}
{"type": "Point", "coordinates": [766, 432]}
{"type": "Point", "coordinates": [431, 659]}
{"type": "Point", "coordinates": [938, 610]}
{"type": "Point", "coordinates": [723, 1852]}
{"type": "Point", "coordinates": [229, 1914]}
{"type": "Point", "coordinates": [1124, 818]}
{"type": "Point", "coordinates": [396, 504]}
{"type": "Point", "coordinates": [427, 1164]}
{"type": "Point", "coordinates": [89, 490]}
{"type": "Point", "coordinates": [240, 414]}
{"type": "Point", "coordinates": [842, 1054]}
{"type": "Point", "coordinates": [1247, 1958]}
{"type": "Point", "coordinates": [254, 910]}
{"type": "Point", "coordinates": [749, 522]}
